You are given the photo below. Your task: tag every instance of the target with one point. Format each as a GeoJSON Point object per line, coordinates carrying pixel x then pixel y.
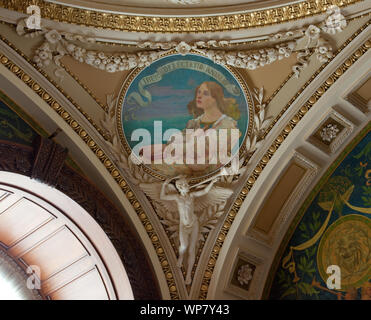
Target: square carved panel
{"type": "Point", "coordinates": [245, 275]}
{"type": "Point", "coordinates": [331, 133]}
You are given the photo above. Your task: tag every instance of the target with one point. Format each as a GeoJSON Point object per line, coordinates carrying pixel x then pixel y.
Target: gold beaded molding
{"type": "Point", "coordinates": [291, 124]}
{"type": "Point", "coordinates": [86, 116]}
{"type": "Point", "coordinates": [216, 23]}
{"type": "Point", "coordinates": [238, 202]}
{"type": "Point", "coordinates": [16, 70]}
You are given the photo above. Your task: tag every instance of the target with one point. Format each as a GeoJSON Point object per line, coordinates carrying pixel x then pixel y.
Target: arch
{"type": "Point", "coordinates": [115, 240]}
{"type": "Point", "coordinates": [40, 226]}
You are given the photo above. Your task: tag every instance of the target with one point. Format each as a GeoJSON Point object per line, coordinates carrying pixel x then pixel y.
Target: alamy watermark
{"type": "Point", "coordinates": [33, 22]}
{"type": "Point", "coordinates": [334, 280]}
{"type": "Point", "coordinates": [189, 146]}
{"type": "Point", "coordinates": [33, 280]}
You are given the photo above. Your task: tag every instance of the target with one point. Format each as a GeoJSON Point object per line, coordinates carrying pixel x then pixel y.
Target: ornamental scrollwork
{"type": "Point", "coordinates": [304, 41]}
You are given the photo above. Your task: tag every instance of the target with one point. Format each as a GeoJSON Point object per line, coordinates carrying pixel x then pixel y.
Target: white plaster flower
{"type": "Point", "coordinates": [97, 62]}
{"type": "Point", "coordinates": [132, 64]}
{"type": "Point", "coordinates": [241, 54]}
{"type": "Point", "coordinates": [143, 58]}
{"type": "Point", "coordinates": [53, 36]}
{"type": "Point", "coordinates": [271, 58]}
{"type": "Point", "coordinates": [44, 55]}
{"type": "Point", "coordinates": [78, 53]}
{"type": "Point", "coordinates": [90, 57]}
{"type": "Point", "coordinates": [124, 66]}
{"type": "Point", "coordinates": [312, 32]}
{"type": "Point", "coordinates": [335, 22]}
{"type": "Point", "coordinates": [322, 50]}
{"type": "Point", "coordinates": [183, 48]}
{"type": "Point", "coordinates": [251, 65]}
{"type": "Point", "coordinates": [329, 132]}
{"type": "Point", "coordinates": [281, 50]}
{"type": "Point", "coordinates": [153, 56]}
{"type": "Point", "coordinates": [244, 274]}
{"type": "Point", "coordinates": [45, 47]}
{"type": "Point", "coordinates": [70, 47]}
{"type": "Point", "coordinates": [132, 57]}
{"type": "Point", "coordinates": [291, 45]}
{"type": "Point", "coordinates": [111, 67]}
{"type": "Point", "coordinates": [101, 55]}
{"type": "Point", "coordinates": [231, 59]}
{"type": "Point", "coordinates": [239, 63]}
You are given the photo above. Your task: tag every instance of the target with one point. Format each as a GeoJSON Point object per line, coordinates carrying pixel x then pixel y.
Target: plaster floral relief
{"type": "Point", "coordinates": [329, 132]}
{"type": "Point", "coordinates": [213, 193]}
{"type": "Point", "coordinates": [59, 44]}
{"type": "Point", "coordinates": [244, 274]}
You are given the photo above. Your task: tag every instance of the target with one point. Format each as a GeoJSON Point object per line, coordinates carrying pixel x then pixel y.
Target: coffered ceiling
{"type": "Point", "coordinates": [301, 71]}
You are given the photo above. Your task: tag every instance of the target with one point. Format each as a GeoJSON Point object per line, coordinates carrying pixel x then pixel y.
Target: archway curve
{"type": "Point", "coordinates": [76, 258]}
{"type": "Point", "coordinates": [15, 158]}
{"type": "Point", "coordinates": [115, 215]}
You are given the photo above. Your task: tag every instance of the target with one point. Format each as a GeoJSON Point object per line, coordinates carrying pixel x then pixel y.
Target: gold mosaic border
{"type": "Point", "coordinates": [126, 189]}
{"type": "Point", "coordinates": [66, 116]}
{"type": "Point", "coordinates": [135, 23]}
{"type": "Point", "coordinates": [268, 155]}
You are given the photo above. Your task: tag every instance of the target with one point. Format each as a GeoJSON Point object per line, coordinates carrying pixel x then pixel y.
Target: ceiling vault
{"type": "Point", "coordinates": [293, 133]}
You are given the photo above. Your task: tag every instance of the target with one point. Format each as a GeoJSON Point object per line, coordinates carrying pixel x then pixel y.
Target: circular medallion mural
{"type": "Point", "coordinates": [346, 243]}
{"type": "Point", "coordinates": [185, 115]}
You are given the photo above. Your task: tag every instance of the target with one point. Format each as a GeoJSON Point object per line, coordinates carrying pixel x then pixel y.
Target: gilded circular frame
{"type": "Point", "coordinates": [132, 76]}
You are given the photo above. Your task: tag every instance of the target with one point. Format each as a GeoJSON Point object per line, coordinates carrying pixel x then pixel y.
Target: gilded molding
{"type": "Point", "coordinates": [238, 202]}
{"type": "Point", "coordinates": [87, 117]}
{"type": "Point", "coordinates": [148, 170]}
{"type": "Point", "coordinates": [66, 116]}
{"type": "Point", "coordinates": [217, 23]}
{"type": "Point", "coordinates": [268, 155]}
{"type": "Point", "coordinates": [299, 92]}
{"type": "Point", "coordinates": [76, 78]}
{"type": "Point", "coordinates": [311, 170]}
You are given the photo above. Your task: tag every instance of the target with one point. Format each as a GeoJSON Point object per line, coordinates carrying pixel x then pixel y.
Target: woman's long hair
{"type": "Point", "coordinates": [227, 106]}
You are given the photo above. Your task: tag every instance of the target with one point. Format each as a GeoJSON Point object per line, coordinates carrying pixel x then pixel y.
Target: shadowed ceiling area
{"type": "Point", "coordinates": [101, 103]}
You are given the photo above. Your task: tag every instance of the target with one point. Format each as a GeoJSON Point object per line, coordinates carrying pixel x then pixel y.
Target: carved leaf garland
{"type": "Point", "coordinates": [59, 44]}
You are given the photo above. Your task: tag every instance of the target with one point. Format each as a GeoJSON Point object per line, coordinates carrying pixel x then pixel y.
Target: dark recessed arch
{"type": "Point", "coordinates": [20, 159]}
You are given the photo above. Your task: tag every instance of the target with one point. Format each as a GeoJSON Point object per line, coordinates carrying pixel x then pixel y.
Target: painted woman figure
{"type": "Point", "coordinates": [210, 110]}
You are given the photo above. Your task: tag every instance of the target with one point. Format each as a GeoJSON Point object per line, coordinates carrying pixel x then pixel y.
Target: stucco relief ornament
{"type": "Point", "coordinates": [300, 40]}
{"type": "Point", "coordinates": [129, 163]}
{"type": "Point", "coordinates": [261, 123]}
{"type": "Point", "coordinates": [188, 213]}
{"type": "Point", "coordinates": [244, 274]}
{"type": "Point", "coordinates": [183, 48]}
{"type": "Point", "coordinates": [335, 22]}
{"type": "Point", "coordinates": [329, 132]}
